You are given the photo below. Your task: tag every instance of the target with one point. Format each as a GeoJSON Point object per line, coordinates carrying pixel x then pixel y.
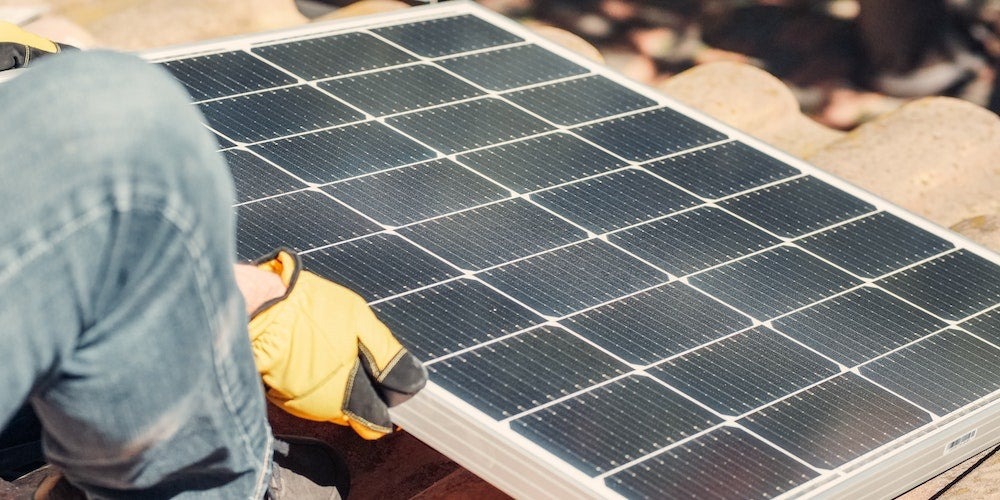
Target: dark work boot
{"type": "Point", "coordinates": [307, 469]}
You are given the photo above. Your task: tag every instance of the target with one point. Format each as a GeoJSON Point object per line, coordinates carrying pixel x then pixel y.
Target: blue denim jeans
{"type": "Point", "coordinates": [120, 320]}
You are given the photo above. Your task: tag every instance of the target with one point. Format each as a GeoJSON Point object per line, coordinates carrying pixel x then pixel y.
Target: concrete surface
{"type": "Point", "coordinates": [940, 158]}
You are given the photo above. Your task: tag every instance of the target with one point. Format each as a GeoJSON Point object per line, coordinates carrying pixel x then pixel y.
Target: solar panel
{"type": "Point", "coordinates": [539, 162]}
{"type": "Point", "coordinates": [616, 200]}
{"type": "Point", "coordinates": [724, 463]}
{"type": "Point", "coordinates": [738, 374]}
{"type": "Point", "coordinates": [577, 100]}
{"type": "Point", "coordinates": [255, 178]}
{"type": "Point", "coordinates": [276, 113]}
{"type": "Point", "coordinates": [513, 67]}
{"type": "Point", "coordinates": [400, 89]}
{"type": "Point", "coordinates": [657, 324]}
{"type": "Point", "coordinates": [586, 431]}
{"type": "Point", "coordinates": [343, 152]}
{"type": "Point", "coordinates": [320, 57]}
{"type": "Point", "coordinates": [458, 127]}
{"type": "Point", "coordinates": [859, 325]}
{"type": "Point", "coordinates": [614, 295]}
{"type": "Point", "coordinates": [417, 192]}
{"type": "Point", "coordinates": [831, 423]}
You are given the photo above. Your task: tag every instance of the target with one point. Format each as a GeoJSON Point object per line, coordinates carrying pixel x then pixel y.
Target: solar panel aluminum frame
{"type": "Point", "coordinates": [523, 469]}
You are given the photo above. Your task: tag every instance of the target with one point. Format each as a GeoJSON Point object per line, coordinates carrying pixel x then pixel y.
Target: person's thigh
{"type": "Point", "coordinates": [121, 319]}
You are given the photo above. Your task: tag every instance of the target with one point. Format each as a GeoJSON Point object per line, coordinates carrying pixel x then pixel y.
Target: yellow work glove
{"type": "Point", "coordinates": [324, 355]}
{"type": "Point", "coordinates": [18, 47]}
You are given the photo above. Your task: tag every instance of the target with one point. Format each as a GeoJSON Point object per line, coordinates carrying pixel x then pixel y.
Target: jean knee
{"type": "Point", "coordinates": [120, 88]}
{"type": "Point", "coordinates": [113, 125]}
{"type": "Point", "coordinates": [112, 101]}
{"type": "Point", "coordinates": [117, 108]}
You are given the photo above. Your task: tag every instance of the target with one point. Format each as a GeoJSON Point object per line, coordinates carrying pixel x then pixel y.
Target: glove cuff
{"type": "Point", "coordinates": [14, 34]}
{"type": "Point", "coordinates": [286, 264]}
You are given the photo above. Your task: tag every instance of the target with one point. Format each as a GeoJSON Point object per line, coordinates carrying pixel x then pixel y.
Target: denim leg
{"type": "Point", "coordinates": [120, 319]}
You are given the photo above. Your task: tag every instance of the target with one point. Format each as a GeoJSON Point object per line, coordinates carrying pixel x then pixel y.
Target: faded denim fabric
{"type": "Point", "coordinates": [120, 319]}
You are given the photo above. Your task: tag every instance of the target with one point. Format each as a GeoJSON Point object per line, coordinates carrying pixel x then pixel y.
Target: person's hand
{"type": "Point", "coordinates": [18, 47]}
{"type": "Point", "coordinates": [324, 355]}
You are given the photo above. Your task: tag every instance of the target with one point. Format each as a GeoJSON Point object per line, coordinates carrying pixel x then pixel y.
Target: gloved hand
{"type": "Point", "coordinates": [18, 47]}
{"type": "Point", "coordinates": [324, 355]}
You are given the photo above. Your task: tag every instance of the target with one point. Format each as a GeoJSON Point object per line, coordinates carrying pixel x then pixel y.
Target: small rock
{"type": "Point", "coordinates": [711, 55]}
{"type": "Point", "coordinates": [657, 43]}
{"type": "Point", "coordinates": [565, 39]}
{"type": "Point", "coordinates": [847, 108]}
{"type": "Point", "coordinates": [843, 9]}
{"type": "Point", "coordinates": [635, 66]}
{"type": "Point", "coordinates": [619, 10]}
{"type": "Point", "coordinates": [364, 8]}
{"type": "Point", "coordinates": [593, 25]}
{"type": "Point", "coordinates": [508, 7]}
{"type": "Point", "coordinates": [676, 15]}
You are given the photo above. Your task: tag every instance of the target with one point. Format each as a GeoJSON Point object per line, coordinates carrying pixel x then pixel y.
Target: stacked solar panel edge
{"type": "Point", "coordinates": [650, 299]}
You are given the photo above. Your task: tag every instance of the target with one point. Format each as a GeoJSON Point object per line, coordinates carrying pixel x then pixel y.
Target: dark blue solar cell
{"type": "Point", "coordinates": [344, 152]}
{"type": "Point", "coordinates": [276, 113]}
{"type": "Point", "coordinates": [379, 266]}
{"type": "Point", "coordinates": [653, 325]}
{"type": "Point", "coordinates": [614, 424]}
{"type": "Point", "coordinates": [468, 125]}
{"type": "Point", "coordinates": [953, 286]}
{"type": "Point", "coordinates": [875, 245]}
{"type": "Point", "coordinates": [836, 421]}
{"type": "Point", "coordinates": [774, 282]}
{"type": "Point", "coordinates": [941, 373]}
{"type": "Point", "coordinates": [300, 221]}
{"type": "Point", "coordinates": [512, 67]}
{"type": "Point", "coordinates": [541, 162]}
{"type": "Point", "coordinates": [694, 240]}
{"type": "Point", "coordinates": [986, 325]}
{"type": "Point", "coordinates": [449, 35]}
{"type": "Point", "coordinates": [333, 55]}
{"type": "Point", "coordinates": [722, 170]}
{"type": "Point", "coordinates": [745, 371]}
{"type": "Point", "coordinates": [453, 316]}
{"type": "Point", "coordinates": [491, 235]}
{"type": "Point", "coordinates": [399, 90]}
{"type": "Point", "coordinates": [580, 100]}
{"type": "Point", "coordinates": [410, 194]}
{"type": "Point", "coordinates": [797, 207]}
{"type": "Point", "coordinates": [570, 279]}
{"type": "Point", "coordinates": [615, 200]}
{"type": "Point", "coordinates": [225, 74]}
{"type": "Point", "coordinates": [516, 374]}
{"type": "Point", "coordinates": [725, 463]}
{"type": "Point", "coordinates": [858, 325]}
{"type": "Point", "coordinates": [255, 178]}
{"type": "Point", "coordinates": [650, 134]}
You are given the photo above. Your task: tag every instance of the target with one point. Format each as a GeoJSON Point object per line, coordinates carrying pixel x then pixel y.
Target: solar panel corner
{"type": "Point", "coordinates": [908, 465]}
{"type": "Point", "coordinates": [517, 178]}
{"type": "Point", "coordinates": [459, 432]}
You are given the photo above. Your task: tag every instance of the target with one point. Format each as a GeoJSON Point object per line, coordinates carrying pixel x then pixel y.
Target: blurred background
{"type": "Point", "coordinates": [846, 60]}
